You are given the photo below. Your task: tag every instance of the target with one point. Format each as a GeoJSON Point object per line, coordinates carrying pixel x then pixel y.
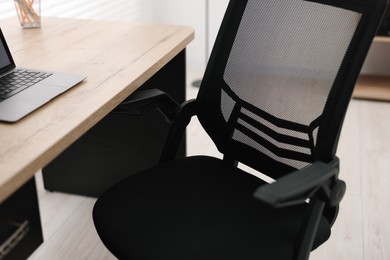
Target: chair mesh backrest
{"type": "Point", "coordinates": [279, 68]}
{"type": "Point", "coordinates": [291, 80]}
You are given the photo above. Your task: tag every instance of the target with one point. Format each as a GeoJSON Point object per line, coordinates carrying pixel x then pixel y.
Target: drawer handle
{"type": "Point", "coordinates": [14, 239]}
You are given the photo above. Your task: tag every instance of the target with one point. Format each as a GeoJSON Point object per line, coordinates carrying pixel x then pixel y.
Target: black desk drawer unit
{"type": "Point", "coordinates": [117, 146]}
{"type": "Point", "coordinates": [20, 223]}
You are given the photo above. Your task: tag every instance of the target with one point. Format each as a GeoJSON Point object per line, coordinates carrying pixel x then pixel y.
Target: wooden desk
{"type": "Point", "coordinates": [374, 87]}
{"type": "Point", "coordinates": [116, 57]}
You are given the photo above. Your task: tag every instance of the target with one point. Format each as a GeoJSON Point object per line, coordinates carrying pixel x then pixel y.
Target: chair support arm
{"type": "Point", "coordinates": [182, 118]}
{"type": "Point", "coordinates": [297, 187]}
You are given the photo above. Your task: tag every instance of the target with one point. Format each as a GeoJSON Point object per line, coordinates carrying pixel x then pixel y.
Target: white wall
{"type": "Point", "coordinates": [217, 10]}
{"type": "Point", "coordinates": [192, 13]}
{"type": "Point", "coordinates": [185, 12]}
{"type": "Point", "coordinates": [7, 8]}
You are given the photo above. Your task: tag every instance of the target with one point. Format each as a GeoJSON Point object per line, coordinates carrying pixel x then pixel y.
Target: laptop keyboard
{"type": "Point", "coordinates": [18, 80]}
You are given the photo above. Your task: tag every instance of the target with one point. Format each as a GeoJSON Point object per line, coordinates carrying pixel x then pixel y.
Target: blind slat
{"type": "Point", "coordinates": [127, 10]}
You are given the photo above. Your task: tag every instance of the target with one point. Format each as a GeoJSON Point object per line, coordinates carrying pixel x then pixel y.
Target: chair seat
{"type": "Point", "coordinates": [196, 208]}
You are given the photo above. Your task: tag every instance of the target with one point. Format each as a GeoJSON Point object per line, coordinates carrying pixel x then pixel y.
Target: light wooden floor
{"type": "Point", "coordinates": [362, 230]}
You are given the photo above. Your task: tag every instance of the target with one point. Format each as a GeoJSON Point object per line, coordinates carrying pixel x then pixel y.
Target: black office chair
{"type": "Point", "coordinates": [273, 97]}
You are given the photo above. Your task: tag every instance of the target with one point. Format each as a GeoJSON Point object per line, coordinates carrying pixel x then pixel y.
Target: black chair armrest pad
{"type": "Point", "coordinates": [141, 102]}
{"type": "Point", "coordinates": [298, 186]}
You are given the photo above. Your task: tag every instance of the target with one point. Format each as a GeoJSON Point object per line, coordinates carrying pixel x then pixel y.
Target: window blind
{"type": "Point", "coordinates": [126, 10]}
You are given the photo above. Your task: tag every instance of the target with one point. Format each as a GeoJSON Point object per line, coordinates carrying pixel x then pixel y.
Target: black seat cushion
{"type": "Point", "coordinates": [196, 208]}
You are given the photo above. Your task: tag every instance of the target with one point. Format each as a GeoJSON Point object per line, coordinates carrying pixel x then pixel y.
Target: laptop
{"type": "Point", "coordinates": [23, 90]}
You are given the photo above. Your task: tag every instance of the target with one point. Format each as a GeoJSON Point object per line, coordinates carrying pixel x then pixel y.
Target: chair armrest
{"type": "Point", "coordinates": [298, 186]}
{"type": "Point", "coordinates": [141, 102]}
{"type": "Point", "coordinates": [178, 116]}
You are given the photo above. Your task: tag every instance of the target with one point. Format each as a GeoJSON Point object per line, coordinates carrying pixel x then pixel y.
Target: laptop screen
{"type": "Point", "coordinates": [6, 62]}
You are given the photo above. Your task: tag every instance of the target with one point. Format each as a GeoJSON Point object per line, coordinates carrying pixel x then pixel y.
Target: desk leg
{"type": "Point", "coordinates": [117, 146]}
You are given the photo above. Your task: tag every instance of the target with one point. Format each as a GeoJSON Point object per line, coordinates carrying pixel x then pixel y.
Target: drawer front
{"type": "Point", "coordinates": [20, 224]}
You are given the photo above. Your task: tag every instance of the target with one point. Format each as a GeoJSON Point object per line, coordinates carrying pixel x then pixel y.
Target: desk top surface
{"type": "Point", "coordinates": [116, 57]}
